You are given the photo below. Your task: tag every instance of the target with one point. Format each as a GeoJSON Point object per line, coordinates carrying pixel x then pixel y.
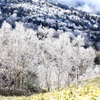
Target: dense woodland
{"type": "Point", "coordinates": [31, 64]}
{"type": "Point", "coordinates": [56, 16]}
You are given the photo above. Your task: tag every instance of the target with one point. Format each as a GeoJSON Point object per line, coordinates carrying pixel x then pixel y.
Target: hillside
{"type": "Point", "coordinates": [46, 45]}
{"type": "Point", "coordinates": [52, 15]}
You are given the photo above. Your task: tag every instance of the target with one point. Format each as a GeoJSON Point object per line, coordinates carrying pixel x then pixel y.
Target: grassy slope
{"type": "Point", "coordinates": [88, 90]}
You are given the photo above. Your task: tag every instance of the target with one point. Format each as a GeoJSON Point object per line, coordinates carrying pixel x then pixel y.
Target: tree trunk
{"type": "Point", "coordinates": [77, 76]}
{"type": "Point", "coordinates": [68, 80]}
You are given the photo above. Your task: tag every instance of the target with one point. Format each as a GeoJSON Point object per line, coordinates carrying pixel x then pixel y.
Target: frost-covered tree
{"type": "Point", "coordinates": [83, 58]}
{"type": "Point", "coordinates": [66, 59]}
{"type": "Point", "coordinates": [18, 57]}
{"type": "Point", "coordinates": [45, 65]}
{"type": "Point", "coordinates": [55, 61]}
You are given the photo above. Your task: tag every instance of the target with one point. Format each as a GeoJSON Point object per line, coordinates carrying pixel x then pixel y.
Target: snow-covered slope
{"type": "Point", "coordinates": [34, 13]}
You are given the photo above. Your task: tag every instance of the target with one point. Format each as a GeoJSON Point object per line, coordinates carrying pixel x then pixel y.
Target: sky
{"type": "Point", "coordinates": [89, 5]}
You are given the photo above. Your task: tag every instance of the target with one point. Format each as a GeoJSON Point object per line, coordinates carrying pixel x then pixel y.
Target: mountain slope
{"type": "Point", "coordinates": [53, 15]}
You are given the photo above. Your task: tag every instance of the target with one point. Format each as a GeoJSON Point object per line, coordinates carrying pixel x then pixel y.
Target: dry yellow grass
{"type": "Point", "coordinates": [89, 92]}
